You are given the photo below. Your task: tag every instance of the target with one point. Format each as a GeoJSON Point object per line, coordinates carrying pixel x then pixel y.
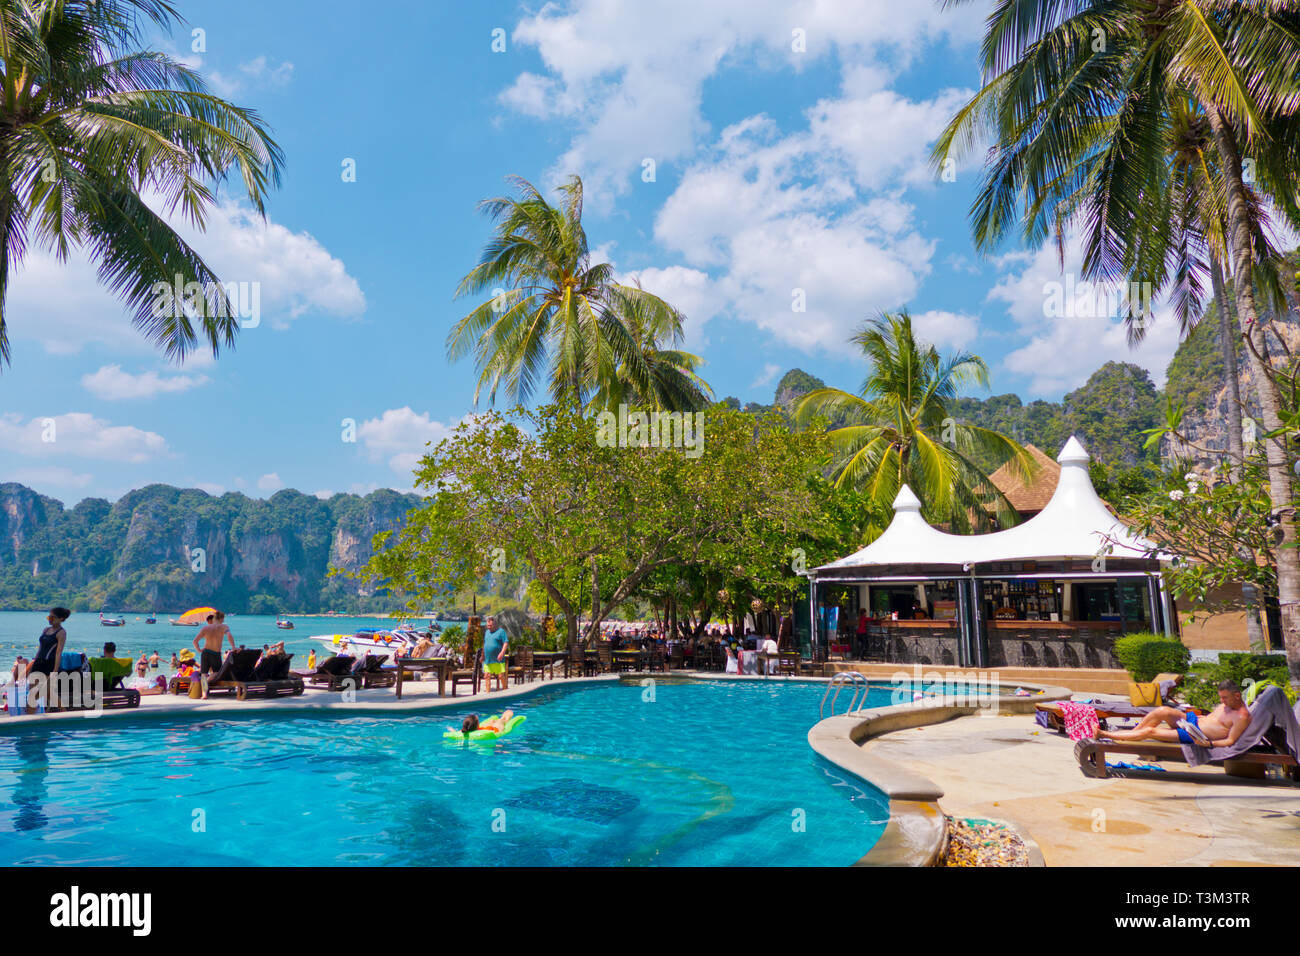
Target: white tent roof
{"type": "Point", "coordinates": [1074, 525]}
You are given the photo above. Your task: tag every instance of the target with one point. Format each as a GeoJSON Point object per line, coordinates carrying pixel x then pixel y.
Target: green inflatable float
{"type": "Point", "coordinates": [483, 733]}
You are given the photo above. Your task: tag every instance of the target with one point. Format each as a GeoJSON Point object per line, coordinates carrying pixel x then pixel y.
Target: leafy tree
{"type": "Point", "coordinates": [91, 122]}
{"type": "Point", "coordinates": [590, 519]}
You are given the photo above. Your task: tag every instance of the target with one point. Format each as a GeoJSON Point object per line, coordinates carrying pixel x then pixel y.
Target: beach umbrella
{"type": "Point", "coordinates": [196, 615]}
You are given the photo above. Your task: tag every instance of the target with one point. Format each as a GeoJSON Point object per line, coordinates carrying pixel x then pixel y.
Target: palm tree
{"type": "Point", "coordinates": [91, 125]}
{"type": "Point", "coordinates": [661, 378]}
{"type": "Point", "coordinates": [900, 431]}
{"type": "Point", "coordinates": [1077, 100]}
{"type": "Point", "coordinates": [552, 311]}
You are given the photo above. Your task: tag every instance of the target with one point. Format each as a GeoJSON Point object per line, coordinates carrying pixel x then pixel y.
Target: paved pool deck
{"type": "Point", "coordinates": [1007, 767]}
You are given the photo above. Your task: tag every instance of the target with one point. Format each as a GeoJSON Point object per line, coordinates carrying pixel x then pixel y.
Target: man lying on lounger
{"type": "Point", "coordinates": [1225, 724]}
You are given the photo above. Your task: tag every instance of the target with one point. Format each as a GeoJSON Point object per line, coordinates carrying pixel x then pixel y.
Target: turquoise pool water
{"type": "Point", "coordinates": [712, 773]}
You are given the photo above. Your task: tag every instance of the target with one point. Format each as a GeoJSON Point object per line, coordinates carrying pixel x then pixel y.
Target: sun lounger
{"type": "Point", "coordinates": [114, 669]}
{"type": "Point", "coordinates": [336, 672]}
{"type": "Point", "coordinates": [238, 676]}
{"type": "Point", "coordinates": [375, 674]}
{"type": "Point", "coordinates": [1273, 737]}
{"type": "Point", "coordinates": [1106, 710]}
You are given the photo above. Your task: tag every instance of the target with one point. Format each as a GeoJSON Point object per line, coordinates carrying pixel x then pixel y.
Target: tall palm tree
{"type": "Point", "coordinates": [1077, 99]}
{"type": "Point", "coordinates": [552, 312]}
{"type": "Point", "coordinates": [900, 430]}
{"type": "Point", "coordinates": [90, 127]}
{"type": "Point", "coordinates": [664, 378]}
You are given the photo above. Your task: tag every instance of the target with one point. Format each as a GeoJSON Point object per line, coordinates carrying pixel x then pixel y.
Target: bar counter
{"type": "Point", "coordinates": [1010, 643]}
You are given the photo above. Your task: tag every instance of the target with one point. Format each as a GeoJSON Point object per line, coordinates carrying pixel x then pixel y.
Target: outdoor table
{"type": "Point", "coordinates": [765, 661]}
{"type": "Point", "coordinates": [550, 659]}
{"type": "Point", "coordinates": [414, 665]}
{"type": "Point", "coordinates": [636, 657]}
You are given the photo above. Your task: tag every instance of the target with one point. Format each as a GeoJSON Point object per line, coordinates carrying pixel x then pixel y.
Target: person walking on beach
{"type": "Point", "coordinates": [210, 636]}
{"type": "Point", "coordinates": [495, 644]}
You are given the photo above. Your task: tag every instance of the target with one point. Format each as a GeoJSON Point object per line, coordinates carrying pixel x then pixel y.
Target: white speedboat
{"type": "Point", "coordinates": [385, 642]}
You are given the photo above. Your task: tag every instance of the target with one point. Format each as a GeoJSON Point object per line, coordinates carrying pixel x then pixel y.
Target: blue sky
{"type": "Point", "coordinates": [775, 169]}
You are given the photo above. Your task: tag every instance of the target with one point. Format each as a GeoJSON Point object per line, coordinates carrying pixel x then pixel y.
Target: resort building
{"type": "Point", "coordinates": [1053, 591]}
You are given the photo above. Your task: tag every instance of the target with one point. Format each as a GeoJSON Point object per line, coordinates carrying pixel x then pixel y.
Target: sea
{"type": "Point", "coordinates": [20, 632]}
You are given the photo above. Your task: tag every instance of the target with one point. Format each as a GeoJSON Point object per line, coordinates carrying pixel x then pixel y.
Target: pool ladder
{"type": "Point", "coordinates": [837, 683]}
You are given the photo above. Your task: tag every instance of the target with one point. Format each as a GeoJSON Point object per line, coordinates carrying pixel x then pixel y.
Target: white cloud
{"type": "Point", "coordinates": [111, 383]}
{"type": "Point", "coordinates": [1064, 346]}
{"type": "Point", "coordinates": [270, 483]}
{"type": "Point", "coordinates": [630, 75]}
{"type": "Point", "coordinates": [400, 436]}
{"type": "Point", "coordinates": [63, 307]}
{"type": "Point", "coordinates": [767, 377]}
{"type": "Point", "coordinates": [257, 73]}
{"type": "Point", "coordinates": [80, 435]}
{"type": "Point", "coordinates": [782, 224]}
{"type": "Point", "coordinates": [690, 291]}
{"type": "Point", "coordinates": [953, 329]}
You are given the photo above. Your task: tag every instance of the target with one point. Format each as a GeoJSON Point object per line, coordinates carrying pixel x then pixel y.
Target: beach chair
{"type": "Point", "coordinates": [469, 675]}
{"type": "Point", "coordinates": [335, 672]}
{"type": "Point", "coordinates": [237, 677]}
{"type": "Point", "coordinates": [375, 674]}
{"type": "Point", "coordinates": [1091, 755]}
{"type": "Point", "coordinates": [1273, 738]}
{"type": "Point", "coordinates": [1053, 717]}
{"type": "Point", "coordinates": [114, 696]}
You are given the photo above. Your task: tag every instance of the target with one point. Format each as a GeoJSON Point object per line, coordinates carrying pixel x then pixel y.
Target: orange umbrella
{"type": "Point", "coordinates": [196, 615]}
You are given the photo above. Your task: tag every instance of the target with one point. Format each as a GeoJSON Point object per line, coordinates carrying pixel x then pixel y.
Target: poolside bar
{"type": "Point", "coordinates": [1054, 591]}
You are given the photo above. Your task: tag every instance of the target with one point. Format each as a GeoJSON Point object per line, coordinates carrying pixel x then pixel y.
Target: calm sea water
{"type": "Point", "coordinates": [19, 631]}
{"type": "Point", "coordinates": [708, 774]}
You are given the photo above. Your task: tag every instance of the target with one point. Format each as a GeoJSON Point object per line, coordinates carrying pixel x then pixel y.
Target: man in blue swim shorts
{"type": "Point", "coordinates": [1221, 728]}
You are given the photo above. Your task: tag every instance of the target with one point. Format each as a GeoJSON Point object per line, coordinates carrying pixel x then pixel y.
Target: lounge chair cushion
{"type": "Point", "coordinates": [336, 666]}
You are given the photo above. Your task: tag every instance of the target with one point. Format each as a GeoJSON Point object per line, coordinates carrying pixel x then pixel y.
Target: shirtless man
{"type": "Point", "coordinates": [1225, 724]}
{"type": "Point", "coordinates": [210, 636]}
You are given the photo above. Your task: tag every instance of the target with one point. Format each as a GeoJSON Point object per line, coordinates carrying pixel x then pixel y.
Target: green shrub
{"type": "Point", "coordinates": [1145, 655]}
{"type": "Point", "coordinates": [1201, 690]}
{"type": "Point", "coordinates": [453, 636]}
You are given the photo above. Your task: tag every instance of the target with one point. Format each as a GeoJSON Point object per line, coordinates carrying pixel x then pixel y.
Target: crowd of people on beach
{"type": "Point", "coordinates": [148, 675]}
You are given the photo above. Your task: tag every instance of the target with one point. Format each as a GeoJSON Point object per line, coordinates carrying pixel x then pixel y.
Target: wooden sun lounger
{"type": "Point", "coordinates": [1105, 711]}
{"type": "Point", "coordinates": [1091, 755]}
{"type": "Point", "coordinates": [236, 677]}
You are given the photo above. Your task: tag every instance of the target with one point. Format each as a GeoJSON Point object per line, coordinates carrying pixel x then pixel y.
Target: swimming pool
{"type": "Point", "coordinates": [708, 773]}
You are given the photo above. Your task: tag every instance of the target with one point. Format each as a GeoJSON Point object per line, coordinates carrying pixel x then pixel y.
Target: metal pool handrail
{"type": "Point", "coordinates": [838, 682]}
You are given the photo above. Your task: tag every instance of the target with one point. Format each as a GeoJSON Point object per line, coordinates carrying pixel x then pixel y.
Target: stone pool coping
{"type": "Point", "coordinates": [916, 831]}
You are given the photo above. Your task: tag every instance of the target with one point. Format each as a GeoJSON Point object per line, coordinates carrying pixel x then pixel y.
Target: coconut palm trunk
{"type": "Point", "coordinates": [1228, 338]}
{"type": "Point", "coordinates": [1279, 466]}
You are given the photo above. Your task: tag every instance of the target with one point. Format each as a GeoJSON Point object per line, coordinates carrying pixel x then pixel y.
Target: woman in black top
{"type": "Point", "coordinates": [52, 639]}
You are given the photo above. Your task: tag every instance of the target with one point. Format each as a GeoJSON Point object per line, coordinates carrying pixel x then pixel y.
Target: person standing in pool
{"type": "Point", "coordinates": [210, 636]}
{"type": "Point", "coordinates": [496, 642]}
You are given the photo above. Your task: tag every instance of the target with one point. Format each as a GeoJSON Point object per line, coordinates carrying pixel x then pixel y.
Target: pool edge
{"type": "Point", "coordinates": [916, 830]}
